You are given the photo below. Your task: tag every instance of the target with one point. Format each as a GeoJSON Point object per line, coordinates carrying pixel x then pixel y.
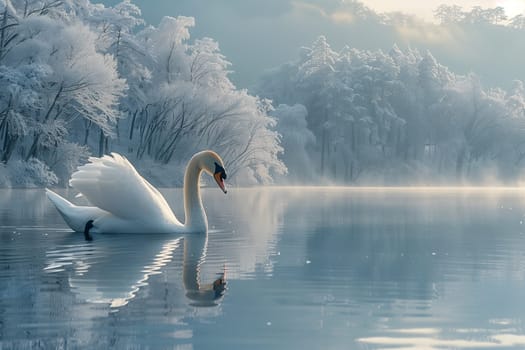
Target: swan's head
{"type": "Point", "coordinates": [209, 294]}
{"type": "Point", "coordinates": [214, 166]}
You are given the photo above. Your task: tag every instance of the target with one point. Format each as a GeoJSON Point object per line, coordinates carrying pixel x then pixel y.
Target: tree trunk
{"type": "Point", "coordinates": [354, 141]}
{"type": "Point", "coordinates": [323, 142]}
{"type": "Point", "coordinates": [132, 127]}
{"type": "Point", "coordinates": [9, 148]}
{"type": "Point", "coordinates": [101, 144]}
{"type": "Point", "coordinates": [5, 127]}
{"type": "Point", "coordinates": [34, 147]}
{"type": "Point", "coordinates": [86, 133]}
{"type": "Point", "coordinates": [2, 34]}
{"type": "Point", "coordinates": [460, 162]}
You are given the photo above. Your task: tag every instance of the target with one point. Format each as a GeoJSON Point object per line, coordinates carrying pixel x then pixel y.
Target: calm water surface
{"type": "Point", "coordinates": [306, 268]}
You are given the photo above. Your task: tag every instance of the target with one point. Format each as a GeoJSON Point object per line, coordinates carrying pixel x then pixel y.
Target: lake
{"type": "Point", "coordinates": [305, 268]}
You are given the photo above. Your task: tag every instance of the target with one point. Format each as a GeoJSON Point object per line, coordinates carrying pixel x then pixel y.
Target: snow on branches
{"type": "Point", "coordinates": [79, 77]}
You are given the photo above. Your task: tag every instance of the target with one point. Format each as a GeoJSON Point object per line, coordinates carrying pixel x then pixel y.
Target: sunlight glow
{"type": "Point", "coordinates": [342, 17]}
{"type": "Point", "coordinates": [512, 7]}
{"type": "Point", "coordinates": [498, 340]}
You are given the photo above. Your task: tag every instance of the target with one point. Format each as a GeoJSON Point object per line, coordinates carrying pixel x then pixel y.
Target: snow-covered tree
{"type": "Point", "coordinates": [81, 78]}
{"type": "Point", "coordinates": [297, 141]}
{"type": "Point", "coordinates": [78, 81]}
{"type": "Point", "coordinates": [53, 81]}
{"type": "Point", "coordinates": [192, 105]}
{"type": "Point", "coordinates": [399, 117]}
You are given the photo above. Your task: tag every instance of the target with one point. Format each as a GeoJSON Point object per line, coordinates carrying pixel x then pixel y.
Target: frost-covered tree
{"type": "Point", "coordinates": [18, 101]}
{"type": "Point", "coordinates": [81, 78]}
{"type": "Point", "coordinates": [54, 80]}
{"type": "Point", "coordinates": [448, 14]}
{"type": "Point", "coordinates": [116, 28]}
{"type": "Point", "coordinates": [191, 104]}
{"type": "Point", "coordinates": [297, 141]}
{"type": "Point", "coordinates": [399, 116]}
{"type": "Point", "coordinates": [75, 81]}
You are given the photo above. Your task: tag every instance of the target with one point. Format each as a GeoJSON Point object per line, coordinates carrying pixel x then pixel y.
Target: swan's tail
{"type": "Point", "coordinates": [75, 216]}
{"type": "Point", "coordinates": [60, 203]}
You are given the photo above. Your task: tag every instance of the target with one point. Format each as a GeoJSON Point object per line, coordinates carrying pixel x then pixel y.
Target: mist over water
{"type": "Point", "coordinates": [309, 268]}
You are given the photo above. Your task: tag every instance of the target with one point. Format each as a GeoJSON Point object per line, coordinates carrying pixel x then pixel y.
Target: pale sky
{"type": "Point", "coordinates": [425, 8]}
{"type": "Point", "coordinates": [256, 35]}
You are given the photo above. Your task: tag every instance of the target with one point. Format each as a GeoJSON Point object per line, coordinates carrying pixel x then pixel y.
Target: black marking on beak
{"type": "Point", "coordinates": [220, 169]}
{"type": "Point", "coordinates": [88, 226]}
{"type": "Point", "coordinates": [219, 176]}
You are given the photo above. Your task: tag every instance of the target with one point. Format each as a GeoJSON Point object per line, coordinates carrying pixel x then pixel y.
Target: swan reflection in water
{"type": "Point", "coordinates": [195, 247]}
{"type": "Point", "coordinates": [114, 268]}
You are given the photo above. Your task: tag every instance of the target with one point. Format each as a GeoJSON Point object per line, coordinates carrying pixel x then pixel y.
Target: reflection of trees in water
{"type": "Point", "coordinates": [398, 245]}
{"type": "Point", "coordinates": [249, 220]}
{"type": "Point", "coordinates": [32, 303]}
{"type": "Point", "coordinates": [28, 297]}
{"type": "Point", "coordinates": [26, 203]}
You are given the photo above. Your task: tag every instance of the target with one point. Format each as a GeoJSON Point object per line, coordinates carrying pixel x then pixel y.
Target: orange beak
{"type": "Point", "coordinates": [220, 181]}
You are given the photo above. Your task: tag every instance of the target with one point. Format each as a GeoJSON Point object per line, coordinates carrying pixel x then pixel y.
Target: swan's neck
{"type": "Point", "coordinates": [194, 211]}
{"type": "Point", "coordinates": [194, 255]}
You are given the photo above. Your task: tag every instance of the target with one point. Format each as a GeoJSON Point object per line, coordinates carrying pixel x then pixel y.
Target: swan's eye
{"type": "Point", "coordinates": [223, 175]}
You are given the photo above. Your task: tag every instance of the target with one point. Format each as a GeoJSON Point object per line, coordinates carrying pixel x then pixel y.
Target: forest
{"type": "Point", "coordinates": [80, 79]}
{"type": "Point", "coordinates": [398, 117]}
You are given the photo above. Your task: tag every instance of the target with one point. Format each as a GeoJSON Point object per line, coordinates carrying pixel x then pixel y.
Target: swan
{"type": "Point", "coordinates": [124, 202]}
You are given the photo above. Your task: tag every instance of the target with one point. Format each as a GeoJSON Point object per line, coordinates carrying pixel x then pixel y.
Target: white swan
{"type": "Point", "coordinates": [124, 202]}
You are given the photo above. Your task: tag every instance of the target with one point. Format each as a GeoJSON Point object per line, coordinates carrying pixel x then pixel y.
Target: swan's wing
{"type": "Point", "coordinates": [112, 184]}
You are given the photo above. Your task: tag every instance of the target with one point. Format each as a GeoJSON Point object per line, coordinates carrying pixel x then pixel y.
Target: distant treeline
{"type": "Point", "coordinates": [395, 117]}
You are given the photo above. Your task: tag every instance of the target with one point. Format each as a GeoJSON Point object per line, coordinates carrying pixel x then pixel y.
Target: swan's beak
{"type": "Point", "coordinates": [218, 178]}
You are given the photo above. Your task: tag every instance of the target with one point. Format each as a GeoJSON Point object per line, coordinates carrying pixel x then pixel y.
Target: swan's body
{"type": "Point", "coordinates": [124, 202]}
